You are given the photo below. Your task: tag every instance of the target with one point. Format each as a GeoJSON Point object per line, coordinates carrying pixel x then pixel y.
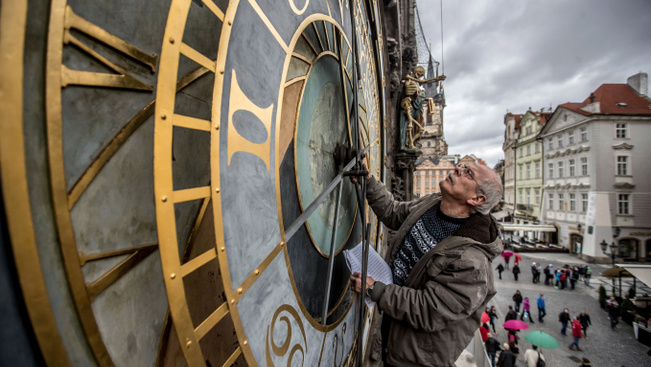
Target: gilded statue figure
{"type": "Point", "coordinates": [411, 119]}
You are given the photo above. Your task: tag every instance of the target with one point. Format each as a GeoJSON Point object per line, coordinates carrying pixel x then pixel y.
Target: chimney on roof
{"type": "Point", "coordinates": [639, 82]}
{"type": "Point", "coordinates": [592, 97]}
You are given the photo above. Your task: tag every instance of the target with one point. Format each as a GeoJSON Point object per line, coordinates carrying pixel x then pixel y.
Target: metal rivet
{"type": "Point", "coordinates": [232, 301]}
{"type": "Point", "coordinates": [239, 290]}
{"type": "Point", "coordinates": [282, 243]}
{"type": "Point", "coordinates": [164, 198]}
{"type": "Point", "coordinates": [230, 23]}
{"type": "Point", "coordinates": [171, 40]}
{"type": "Point", "coordinates": [221, 71]}
{"type": "Point", "coordinates": [164, 117]}
{"type": "Point", "coordinates": [222, 249]}
{"type": "Point", "coordinates": [216, 189]}
{"type": "Point", "coordinates": [216, 127]}
{"type": "Point", "coordinates": [256, 272]}
{"type": "Point", "coordinates": [188, 343]}
{"type": "Point", "coordinates": [173, 275]}
{"type": "Point", "coordinates": [245, 342]}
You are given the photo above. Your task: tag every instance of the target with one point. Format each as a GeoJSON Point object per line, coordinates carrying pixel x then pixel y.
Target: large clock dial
{"type": "Point", "coordinates": [180, 179]}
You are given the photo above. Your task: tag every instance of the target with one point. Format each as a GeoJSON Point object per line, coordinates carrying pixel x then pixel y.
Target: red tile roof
{"type": "Point", "coordinates": [609, 96]}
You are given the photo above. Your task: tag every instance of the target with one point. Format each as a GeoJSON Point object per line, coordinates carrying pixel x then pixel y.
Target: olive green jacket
{"type": "Point", "coordinates": [436, 313]}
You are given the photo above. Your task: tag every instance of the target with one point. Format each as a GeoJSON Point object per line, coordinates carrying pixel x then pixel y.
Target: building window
{"type": "Point", "coordinates": [584, 203]}
{"type": "Point", "coordinates": [550, 143]}
{"type": "Point", "coordinates": [418, 182]}
{"type": "Point", "coordinates": [570, 137]}
{"type": "Point", "coordinates": [572, 203]}
{"type": "Point", "coordinates": [528, 196]}
{"type": "Point", "coordinates": [537, 169]}
{"type": "Point", "coordinates": [529, 130]}
{"type": "Point", "coordinates": [622, 165]}
{"type": "Point", "coordinates": [560, 141]}
{"type": "Point", "coordinates": [520, 167]}
{"type": "Point", "coordinates": [520, 191]}
{"type": "Point", "coordinates": [521, 151]}
{"type": "Point", "coordinates": [537, 193]}
{"type": "Point", "coordinates": [528, 171]}
{"type": "Point", "coordinates": [620, 131]}
{"type": "Point", "coordinates": [551, 170]}
{"type": "Point", "coordinates": [561, 201]}
{"type": "Point", "coordinates": [560, 169]}
{"type": "Point", "coordinates": [528, 150]}
{"type": "Point", "coordinates": [551, 201]}
{"type": "Point", "coordinates": [584, 133]}
{"type": "Point", "coordinates": [584, 166]}
{"type": "Point", "coordinates": [623, 204]}
{"type": "Point", "coordinates": [537, 147]}
{"type": "Point", "coordinates": [572, 168]}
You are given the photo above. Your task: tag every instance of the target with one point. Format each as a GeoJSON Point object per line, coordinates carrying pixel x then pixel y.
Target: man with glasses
{"type": "Point", "coordinates": [441, 256]}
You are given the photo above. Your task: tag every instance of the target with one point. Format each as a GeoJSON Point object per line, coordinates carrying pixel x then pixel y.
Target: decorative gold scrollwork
{"type": "Point", "coordinates": [335, 344]}
{"type": "Point", "coordinates": [281, 351]}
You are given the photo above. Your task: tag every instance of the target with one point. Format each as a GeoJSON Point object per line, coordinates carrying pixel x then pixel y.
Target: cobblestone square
{"type": "Point", "coordinates": [603, 347]}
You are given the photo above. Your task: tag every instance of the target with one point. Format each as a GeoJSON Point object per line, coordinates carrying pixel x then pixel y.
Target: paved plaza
{"type": "Point", "coordinates": [604, 347]}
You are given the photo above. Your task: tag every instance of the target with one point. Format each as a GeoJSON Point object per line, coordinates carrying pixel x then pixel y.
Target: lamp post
{"type": "Point", "coordinates": [604, 246]}
{"type": "Point", "coordinates": [613, 247]}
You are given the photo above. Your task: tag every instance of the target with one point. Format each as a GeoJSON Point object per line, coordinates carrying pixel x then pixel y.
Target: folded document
{"type": "Point", "coordinates": [377, 268]}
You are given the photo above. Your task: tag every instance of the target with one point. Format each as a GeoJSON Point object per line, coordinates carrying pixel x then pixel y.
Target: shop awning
{"type": "Point", "coordinates": [528, 227]}
{"type": "Point", "coordinates": [641, 272]}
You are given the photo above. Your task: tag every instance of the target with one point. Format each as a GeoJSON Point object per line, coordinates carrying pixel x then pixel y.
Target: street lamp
{"type": "Point", "coordinates": [604, 246]}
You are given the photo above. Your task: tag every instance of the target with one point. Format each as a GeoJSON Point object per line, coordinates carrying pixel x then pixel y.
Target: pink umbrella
{"type": "Point", "coordinates": [485, 317]}
{"type": "Point", "coordinates": [507, 253]}
{"type": "Point", "coordinates": [515, 325]}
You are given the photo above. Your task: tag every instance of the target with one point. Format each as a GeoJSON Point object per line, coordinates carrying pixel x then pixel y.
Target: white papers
{"type": "Point", "coordinates": [377, 267]}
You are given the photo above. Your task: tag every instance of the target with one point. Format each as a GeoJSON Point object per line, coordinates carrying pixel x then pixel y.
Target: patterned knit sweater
{"type": "Point", "coordinates": [428, 231]}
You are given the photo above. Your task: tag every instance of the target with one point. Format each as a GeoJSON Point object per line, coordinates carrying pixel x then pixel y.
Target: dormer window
{"type": "Point", "coordinates": [622, 104]}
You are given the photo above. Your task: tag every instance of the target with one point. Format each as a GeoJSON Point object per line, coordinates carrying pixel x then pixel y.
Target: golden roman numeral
{"type": "Point", "coordinates": [120, 80]}
{"type": "Point", "coordinates": [236, 142]}
{"type": "Point", "coordinates": [136, 255]}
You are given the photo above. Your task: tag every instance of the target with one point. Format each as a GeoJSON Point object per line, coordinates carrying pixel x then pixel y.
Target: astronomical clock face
{"type": "Point", "coordinates": [170, 185]}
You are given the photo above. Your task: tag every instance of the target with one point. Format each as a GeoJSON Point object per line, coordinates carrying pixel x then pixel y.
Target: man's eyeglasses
{"type": "Point", "coordinates": [466, 171]}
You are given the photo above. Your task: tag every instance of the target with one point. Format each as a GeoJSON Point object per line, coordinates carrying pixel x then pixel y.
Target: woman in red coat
{"type": "Point", "coordinates": [576, 331]}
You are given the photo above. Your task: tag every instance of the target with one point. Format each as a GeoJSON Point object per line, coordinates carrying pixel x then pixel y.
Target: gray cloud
{"type": "Point", "coordinates": [511, 55]}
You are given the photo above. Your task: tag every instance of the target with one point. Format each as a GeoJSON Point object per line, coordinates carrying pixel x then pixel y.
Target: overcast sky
{"type": "Point", "coordinates": [510, 55]}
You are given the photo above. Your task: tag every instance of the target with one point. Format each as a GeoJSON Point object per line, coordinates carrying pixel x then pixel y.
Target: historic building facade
{"type": "Point", "coordinates": [511, 133]}
{"type": "Point", "coordinates": [527, 162]}
{"type": "Point", "coordinates": [597, 178]}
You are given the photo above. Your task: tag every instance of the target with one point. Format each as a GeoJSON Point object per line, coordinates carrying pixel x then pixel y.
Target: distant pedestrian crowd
{"type": "Point", "coordinates": [563, 278]}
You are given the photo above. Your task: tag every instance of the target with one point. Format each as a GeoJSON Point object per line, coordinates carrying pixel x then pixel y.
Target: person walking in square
{"type": "Point", "coordinates": [541, 308]}
{"type": "Point", "coordinates": [492, 347]}
{"type": "Point", "coordinates": [510, 314]}
{"type": "Point", "coordinates": [517, 300]}
{"type": "Point", "coordinates": [507, 358]}
{"type": "Point", "coordinates": [492, 314]}
{"type": "Point", "coordinates": [586, 277]}
{"type": "Point", "coordinates": [516, 272]}
{"type": "Point", "coordinates": [576, 332]}
{"type": "Point", "coordinates": [531, 356]}
{"type": "Point", "coordinates": [564, 318]}
{"type": "Point", "coordinates": [526, 310]}
{"type": "Point", "coordinates": [613, 312]}
{"type": "Point", "coordinates": [584, 319]}
{"type": "Point", "coordinates": [500, 269]}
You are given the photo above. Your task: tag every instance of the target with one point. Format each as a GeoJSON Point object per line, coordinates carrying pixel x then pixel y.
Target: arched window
{"type": "Point", "coordinates": [628, 248]}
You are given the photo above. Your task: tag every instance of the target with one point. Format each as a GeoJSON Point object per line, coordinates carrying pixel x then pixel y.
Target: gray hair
{"type": "Point", "coordinates": [492, 189]}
